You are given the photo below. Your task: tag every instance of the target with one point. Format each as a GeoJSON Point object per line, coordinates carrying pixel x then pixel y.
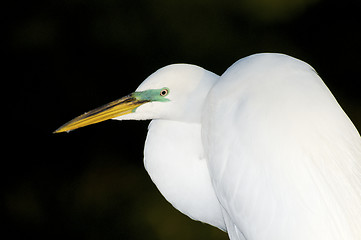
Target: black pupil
{"type": "Point", "coordinates": [163, 92]}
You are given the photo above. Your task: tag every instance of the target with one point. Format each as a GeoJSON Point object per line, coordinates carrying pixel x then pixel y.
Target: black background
{"type": "Point", "coordinates": [63, 58]}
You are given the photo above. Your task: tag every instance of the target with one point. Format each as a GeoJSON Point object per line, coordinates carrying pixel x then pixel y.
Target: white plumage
{"type": "Point", "coordinates": [263, 151]}
{"type": "Point", "coordinates": [284, 159]}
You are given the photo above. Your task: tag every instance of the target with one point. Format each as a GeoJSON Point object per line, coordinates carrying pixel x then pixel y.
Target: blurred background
{"type": "Point", "coordinates": [63, 58]}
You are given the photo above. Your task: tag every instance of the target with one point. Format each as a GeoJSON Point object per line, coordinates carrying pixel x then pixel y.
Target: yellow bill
{"type": "Point", "coordinates": [117, 108]}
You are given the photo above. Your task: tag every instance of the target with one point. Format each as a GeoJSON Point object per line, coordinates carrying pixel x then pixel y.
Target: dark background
{"type": "Point", "coordinates": [63, 58]}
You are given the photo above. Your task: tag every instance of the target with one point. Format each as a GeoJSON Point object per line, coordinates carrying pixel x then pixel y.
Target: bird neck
{"type": "Point", "coordinates": [174, 159]}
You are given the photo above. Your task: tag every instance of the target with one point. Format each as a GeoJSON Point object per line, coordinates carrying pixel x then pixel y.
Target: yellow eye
{"type": "Point", "coordinates": [164, 92]}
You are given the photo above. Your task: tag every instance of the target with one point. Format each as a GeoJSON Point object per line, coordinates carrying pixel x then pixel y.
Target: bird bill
{"type": "Point", "coordinates": [117, 108]}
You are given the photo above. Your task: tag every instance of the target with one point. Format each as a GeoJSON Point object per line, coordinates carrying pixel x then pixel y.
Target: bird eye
{"type": "Point", "coordinates": [164, 92]}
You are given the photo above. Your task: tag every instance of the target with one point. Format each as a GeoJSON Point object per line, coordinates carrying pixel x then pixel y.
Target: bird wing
{"type": "Point", "coordinates": [284, 159]}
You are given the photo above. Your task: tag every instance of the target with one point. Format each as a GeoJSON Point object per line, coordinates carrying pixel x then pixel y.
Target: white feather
{"type": "Point", "coordinates": [284, 158]}
{"type": "Point", "coordinates": [181, 174]}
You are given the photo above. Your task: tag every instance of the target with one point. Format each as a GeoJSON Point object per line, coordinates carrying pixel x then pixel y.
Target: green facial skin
{"type": "Point", "coordinates": [151, 95]}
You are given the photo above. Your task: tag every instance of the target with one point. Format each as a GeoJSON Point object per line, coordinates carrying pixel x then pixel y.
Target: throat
{"type": "Point", "coordinates": [174, 159]}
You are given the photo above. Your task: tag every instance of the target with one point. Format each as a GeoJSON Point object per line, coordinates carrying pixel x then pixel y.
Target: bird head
{"type": "Point", "coordinates": [174, 92]}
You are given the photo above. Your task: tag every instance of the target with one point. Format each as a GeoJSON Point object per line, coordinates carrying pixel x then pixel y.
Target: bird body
{"type": "Point", "coordinates": [291, 169]}
{"type": "Point", "coordinates": [263, 151]}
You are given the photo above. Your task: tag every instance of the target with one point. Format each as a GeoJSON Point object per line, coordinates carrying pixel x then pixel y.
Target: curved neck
{"type": "Point", "coordinates": [173, 157]}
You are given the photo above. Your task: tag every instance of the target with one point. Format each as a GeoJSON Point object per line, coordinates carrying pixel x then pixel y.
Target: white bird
{"type": "Point", "coordinates": [263, 151]}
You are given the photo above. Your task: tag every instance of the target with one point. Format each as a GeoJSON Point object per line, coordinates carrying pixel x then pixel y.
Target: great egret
{"type": "Point", "coordinates": [263, 151]}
